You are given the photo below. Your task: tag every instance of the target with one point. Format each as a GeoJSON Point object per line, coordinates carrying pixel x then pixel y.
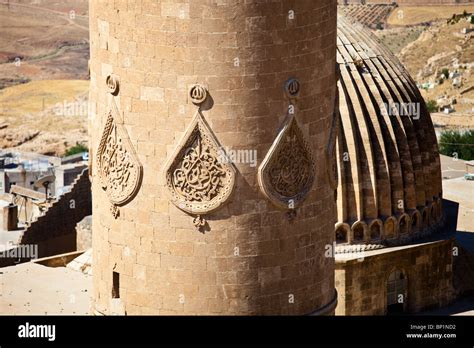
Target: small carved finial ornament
{"type": "Point", "coordinates": [292, 88]}
{"type": "Point", "coordinates": [198, 94]}
{"type": "Point", "coordinates": [291, 214]}
{"type": "Point", "coordinates": [199, 222]}
{"type": "Point", "coordinates": [113, 84]}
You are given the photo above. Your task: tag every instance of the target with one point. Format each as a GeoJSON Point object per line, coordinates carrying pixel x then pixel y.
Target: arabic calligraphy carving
{"type": "Point", "coordinates": [286, 174]}
{"type": "Point", "coordinates": [197, 178]}
{"type": "Point", "coordinates": [119, 169]}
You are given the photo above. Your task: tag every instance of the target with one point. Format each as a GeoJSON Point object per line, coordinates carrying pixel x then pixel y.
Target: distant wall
{"type": "Point", "coordinates": [463, 269]}
{"type": "Point", "coordinates": [66, 176]}
{"type": "Point", "coordinates": [362, 285]}
{"type": "Point", "coordinates": [55, 232]}
{"type": "Point", "coordinates": [26, 179]}
{"type": "Point", "coordinates": [70, 175]}
{"type": "Point", "coordinates": [3, 181]}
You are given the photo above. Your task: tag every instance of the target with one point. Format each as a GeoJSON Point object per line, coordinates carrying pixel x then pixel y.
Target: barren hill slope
{"type": "Point", "coordinates": [443, 46]}
{"type": "Point", "coordinates": [45, 42]}
{"type": "Point", "coordinates": [47, 116]}
{"type": "Point", "coordinates": [42, 40]}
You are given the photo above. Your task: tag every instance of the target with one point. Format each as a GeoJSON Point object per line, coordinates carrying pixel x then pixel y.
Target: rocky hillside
{"type": "Point", "coordinates": [442, 60]}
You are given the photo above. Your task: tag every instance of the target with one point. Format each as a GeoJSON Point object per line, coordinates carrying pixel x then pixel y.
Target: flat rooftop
{"type": "Point", "coordinates": [34, 289]}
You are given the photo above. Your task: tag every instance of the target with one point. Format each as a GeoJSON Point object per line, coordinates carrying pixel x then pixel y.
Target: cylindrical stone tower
{"type": "Point", "coordinates": [210, 152]}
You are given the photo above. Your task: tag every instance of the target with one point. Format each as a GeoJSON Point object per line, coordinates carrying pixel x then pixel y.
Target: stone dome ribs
{"type": "Point", "coordinates": [388, 165]}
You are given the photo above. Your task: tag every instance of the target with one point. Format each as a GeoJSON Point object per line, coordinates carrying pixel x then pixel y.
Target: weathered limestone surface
{"type": "Point", "coordinates": [84, 233]}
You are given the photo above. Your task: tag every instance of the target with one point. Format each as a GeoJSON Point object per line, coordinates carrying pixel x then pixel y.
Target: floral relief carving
{"type": "Point", "coordinates": [198, 179]}
{"type": "Point", "coordinates": [286, 174]}
{"type": "Point", "coordinates": [119, 169]}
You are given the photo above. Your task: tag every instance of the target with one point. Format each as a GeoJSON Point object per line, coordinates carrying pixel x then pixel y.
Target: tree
{"type": "Point", "coordinates": [78, 148]}
{"type": "Point", "coordinates": [457, 144]}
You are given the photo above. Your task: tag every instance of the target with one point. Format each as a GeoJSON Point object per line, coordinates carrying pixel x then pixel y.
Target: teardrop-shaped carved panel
{"type": "Point", "coordinates": [286, 174]}
{"type": "Point", "coordinates": [119, 169]}
{"type": "Point", "coordinates": [199, 176]}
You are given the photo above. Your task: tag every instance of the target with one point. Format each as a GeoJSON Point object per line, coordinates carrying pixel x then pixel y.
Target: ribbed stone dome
{"type": "Point", "coordinates": [387, 162]}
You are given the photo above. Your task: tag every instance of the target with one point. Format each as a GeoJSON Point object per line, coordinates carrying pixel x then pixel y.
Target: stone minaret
{"type": "Point", "coordinates": [210, 142]}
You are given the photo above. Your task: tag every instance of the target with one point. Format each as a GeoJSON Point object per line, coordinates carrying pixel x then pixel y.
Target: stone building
{"type": "Point", "coordinates": [233, 173]}
{"type": "Point", "coordinates": [394, 252]}
{"type": "Point", "coordinates": [190, 95]}
{"type": "Point", "coordinates": [25, 168]}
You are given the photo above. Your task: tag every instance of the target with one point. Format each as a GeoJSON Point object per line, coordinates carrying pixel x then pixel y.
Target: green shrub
{"type": "Point", "coordinates": [432, 106]}
{"type": "Point", "coordinates": [78, 148]}
{"type": "Point", "coordinates": [457, 144]}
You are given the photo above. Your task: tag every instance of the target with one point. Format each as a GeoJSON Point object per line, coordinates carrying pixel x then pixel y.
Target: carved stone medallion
{"type": "Point", "coordinates": [119, 169]}
{"type": "Point", "coordinates": [292, 87]}
{"type": "Point", "coordinates": [198, 94]}
{"type": "Point", "coordinates": [113, 85]}
{"type": "Point", "coordinates": [286, 174]}
{"type": "Point", "coordinates": [199, 176]}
